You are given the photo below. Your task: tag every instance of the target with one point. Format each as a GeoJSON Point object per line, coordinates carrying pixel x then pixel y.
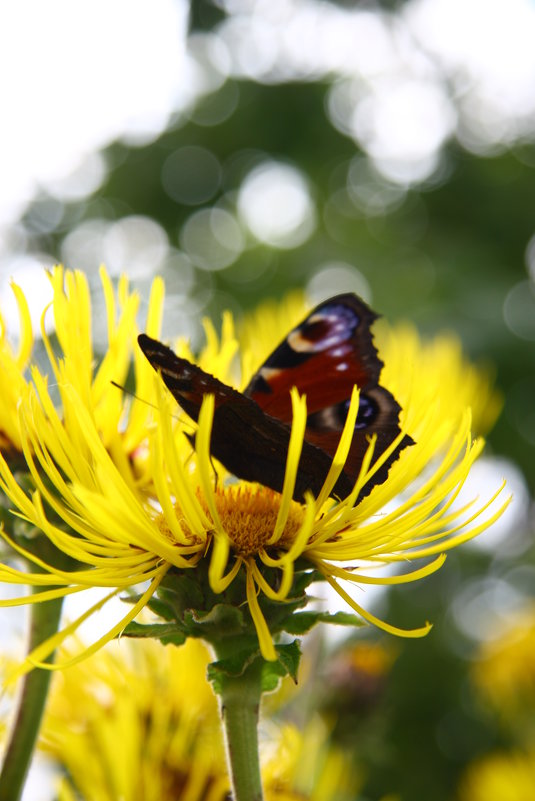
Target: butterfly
{"type": "Point", "coordinates": [329, 352]}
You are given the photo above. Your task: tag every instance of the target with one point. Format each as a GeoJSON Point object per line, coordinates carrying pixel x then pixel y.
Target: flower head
{"type": "Point", "coordinates": [211, 542]}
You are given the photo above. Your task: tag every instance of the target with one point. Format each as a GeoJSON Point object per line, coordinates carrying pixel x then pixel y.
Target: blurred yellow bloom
{"type": "Point", "coordinates": [468, 385]}
{"type": "Point", "coordinates": [357, 673]}
{"type": "Point", "coordinates": [122, 534]}
{"type": "Point", "coordinates": [371, 658]}
{"type": "Point", "coordinates": [140, 723]}
{"type": "Point", "coordinates": [504, 671]}
{"type": "Point", "coordinates": [500, 777]}
{"type": "Point", "coordinates": [13, 367]}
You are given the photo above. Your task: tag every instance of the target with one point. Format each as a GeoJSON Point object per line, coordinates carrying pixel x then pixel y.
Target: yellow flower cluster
{"type": "Point", "coordinates": [121, 492]}
{"type": "Point", "coordinates": [504, 676]}
{"type": "Point", "coordinates": [140, 723]}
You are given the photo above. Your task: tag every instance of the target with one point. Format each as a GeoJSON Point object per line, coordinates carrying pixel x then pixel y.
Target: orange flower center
{"type": "Point", "coordinates": [248, 515]}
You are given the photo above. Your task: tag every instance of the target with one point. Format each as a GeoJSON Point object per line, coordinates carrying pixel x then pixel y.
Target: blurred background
{"type": "Point", "coordinates": [242, 149]}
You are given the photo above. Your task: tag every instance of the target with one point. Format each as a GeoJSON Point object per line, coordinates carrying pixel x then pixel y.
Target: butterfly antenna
{"type": "Point", "coordinates": [143, 400]}
{"type": "Point", "coordinates": [132, 394]}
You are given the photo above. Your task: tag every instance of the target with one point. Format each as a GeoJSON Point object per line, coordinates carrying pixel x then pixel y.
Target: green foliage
{"type": "Point", "coordinates": [190, 609]}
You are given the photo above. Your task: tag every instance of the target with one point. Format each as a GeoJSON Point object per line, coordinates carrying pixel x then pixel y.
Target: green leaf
{"type": "Point", "coordinates": [166, 633]}
{"type": "Point", "coordinates": [290, 657]}
{"type": "Point", "coordinates": [161, 608]}
{"type": "Point", "coordinates": [156, 605]}
{"type": "Point", "coordinates": [301, 622]}
{"type": "Point", "coordinates": [287, 664]}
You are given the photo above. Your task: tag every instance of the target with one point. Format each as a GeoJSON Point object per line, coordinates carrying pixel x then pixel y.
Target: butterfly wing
{"type": "Point", "coordinates": [329, 352]}
{"type": "Point", "coordinates": [324, 357]}
{"type": "Point", "coordinates": [250, 443]}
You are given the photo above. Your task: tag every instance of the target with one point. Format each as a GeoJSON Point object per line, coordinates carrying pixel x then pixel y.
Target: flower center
{"type": "Point", "coordinates": [249, 516]}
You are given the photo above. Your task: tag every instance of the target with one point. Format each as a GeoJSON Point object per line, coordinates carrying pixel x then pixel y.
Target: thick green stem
{"type": "Point", "coordinates": [240, 702]}
{"type": "Point", "coordinates": [44, 623]}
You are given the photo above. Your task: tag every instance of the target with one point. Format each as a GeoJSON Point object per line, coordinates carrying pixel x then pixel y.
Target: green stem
{"type": "Point", "coordinates": [240, 703]}
{"type": "Point", "coordinates": [44, 622]}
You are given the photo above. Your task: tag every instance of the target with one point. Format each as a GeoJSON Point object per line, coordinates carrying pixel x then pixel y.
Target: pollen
{"type": "Point", "coordinates": [248, 515]}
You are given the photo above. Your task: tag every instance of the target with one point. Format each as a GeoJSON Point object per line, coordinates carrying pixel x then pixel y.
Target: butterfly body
{"type": "Point", "coordinates": [324, 357]}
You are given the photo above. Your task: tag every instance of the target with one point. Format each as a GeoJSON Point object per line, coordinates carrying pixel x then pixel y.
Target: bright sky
{"type": "Point", "coordinates": [75, 76]}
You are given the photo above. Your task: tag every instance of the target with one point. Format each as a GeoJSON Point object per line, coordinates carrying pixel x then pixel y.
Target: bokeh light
{"type": "Point", "coordinates": [212, 238]}
{"type": "Point", "coordinates": [275, 203]}
{"type": "Point", "coordinates": [489, 60]}
{"type": "Point", "coordinates": [369, 191]}
{"type": "Point", "coordinates": [507, 537]}
{"type": "Point", "coordinates": [28, 271]}
{"type": "Point", "coordinates": [334, 278]}
{"type": "Point", "coordinates": [135, 245]}
{"type": "Point", "coordinates": [484, 607]}
{"type": "Point", "coordinates": [519, 310]}
{"type": "Point", "coordinates": [191, 175]}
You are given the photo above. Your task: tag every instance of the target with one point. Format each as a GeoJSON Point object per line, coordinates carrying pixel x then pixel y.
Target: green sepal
{"type": "Point", "coordinates": [160, 608]}
{"type": "Point", "coordinates": [286, 664]}
{"type": "Point", "coordinates": [231, 667]}
{"type": "Point", "coordinates": [190, 608]}
{"type": "Point", "coordinates": [181, 591]}
{"type": "Point", "coordinates": [221, 617]}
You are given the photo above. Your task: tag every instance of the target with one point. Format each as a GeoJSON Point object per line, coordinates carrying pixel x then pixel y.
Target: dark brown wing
{"type": "Point", "coordinates": [251, 444]}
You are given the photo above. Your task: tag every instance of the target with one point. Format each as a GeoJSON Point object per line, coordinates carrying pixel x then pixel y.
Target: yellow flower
{"type": "Point", "coordinates": [244, 543]}
{"type": "Point", "coordinates": [121, 423]}
{"type": "Point", "coordinates": [500, 777]}
{"type": "Point", "coordinates": [13, 367]}
{"type": "Point", "coordinates": [140, 723]}
{"type": "Point", "coordinates": [122, 426]}
{"type": "Point", "coordinates": [303, 766]}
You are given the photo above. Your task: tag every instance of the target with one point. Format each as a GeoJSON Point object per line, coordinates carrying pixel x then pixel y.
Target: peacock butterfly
{"type": "Point", "coordinates": [324, 356]}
